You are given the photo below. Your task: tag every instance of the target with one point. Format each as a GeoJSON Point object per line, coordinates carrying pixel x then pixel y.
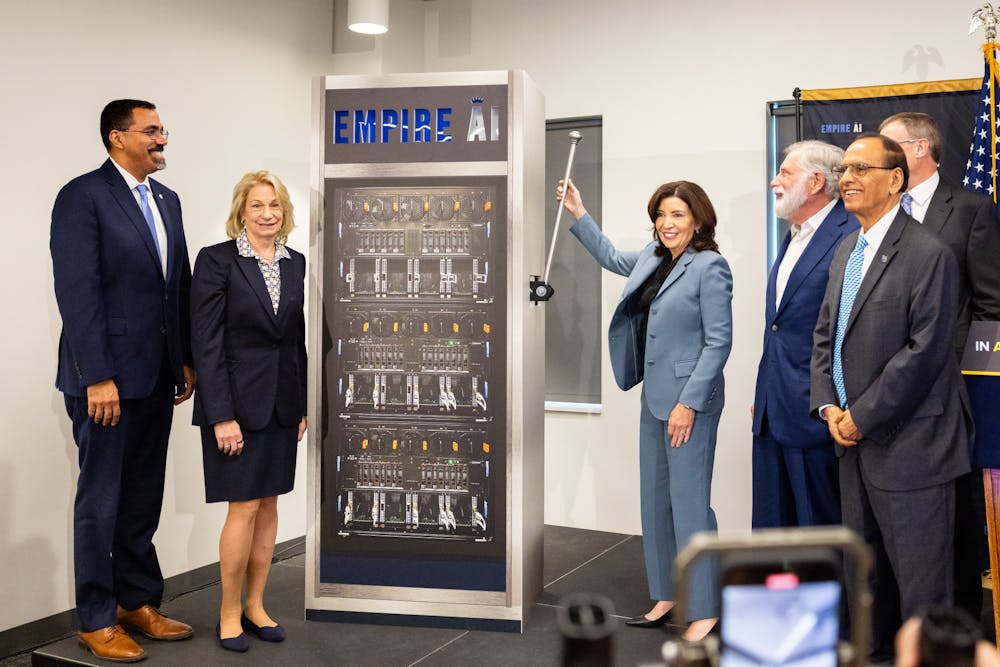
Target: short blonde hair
{"type": "Point", "coordinates": [234, 224]}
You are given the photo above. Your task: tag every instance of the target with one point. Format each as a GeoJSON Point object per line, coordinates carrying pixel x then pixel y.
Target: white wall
{"type": "Point", "coordinates": [233, 83]}
{"type": "Point", "coordinates": [681, 87]}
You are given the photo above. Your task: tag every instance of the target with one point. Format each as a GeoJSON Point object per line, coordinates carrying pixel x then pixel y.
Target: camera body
{"type": "Point", "coordinates": [782, 596]}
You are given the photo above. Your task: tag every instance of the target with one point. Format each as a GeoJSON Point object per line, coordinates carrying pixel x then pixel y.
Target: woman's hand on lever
{"type": "Point", "coordinates": [570, 197]}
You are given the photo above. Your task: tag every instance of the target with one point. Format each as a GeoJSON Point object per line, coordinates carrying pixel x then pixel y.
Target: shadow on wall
{"type": "Point", "coordinates": [35, 550]}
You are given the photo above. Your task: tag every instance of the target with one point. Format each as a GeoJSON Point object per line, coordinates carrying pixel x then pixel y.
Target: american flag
{"type": "Point", "coordinates": [981, 169]}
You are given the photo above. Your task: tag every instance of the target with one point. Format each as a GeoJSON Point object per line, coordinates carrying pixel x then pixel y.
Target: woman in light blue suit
{"type": "Point", "coordinates": [672, 328]}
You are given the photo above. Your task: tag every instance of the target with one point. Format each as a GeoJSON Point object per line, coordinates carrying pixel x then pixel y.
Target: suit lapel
{"type": "Point", "coordinates": [838, 266]}
{"type": "Point", "coordinates": [170, 226]}
{"type": "Point", "coordinates": [289, 280]}
{"type": "Point", "coordinates": [770, 310]}
{"type": "Point", "coordinates": [883, 258]}
{"type": "Point", "coordinates": [825, 237]}
{"type": "Point", "coordinates": [677, 271]}
{"type": "Point", "coordinates": [121, 193]}
{"type": "Point", "coordinates": [251, 271]}
{"type": "Point", "coordinates": [939, 208]}
{"type": "Point", "coordinates": [645, 266]}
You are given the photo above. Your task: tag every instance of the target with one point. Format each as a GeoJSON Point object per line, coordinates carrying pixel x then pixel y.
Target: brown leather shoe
{"type": "Point", "coordinates": [112, 643]}
{"type": "Point", "coordinates": [148, 620]}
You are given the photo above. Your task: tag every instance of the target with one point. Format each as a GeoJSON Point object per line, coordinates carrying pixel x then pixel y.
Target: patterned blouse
{"type": "Point", "coordinates": [272, 271]}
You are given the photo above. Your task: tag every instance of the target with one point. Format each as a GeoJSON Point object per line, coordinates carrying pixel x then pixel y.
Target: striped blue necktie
{"type": "Point", "coordinates": [852, 280]}
{"type": "Point", "coordinates": [147, 213]}
{"type": "Point", "coordinates": [907, 203]}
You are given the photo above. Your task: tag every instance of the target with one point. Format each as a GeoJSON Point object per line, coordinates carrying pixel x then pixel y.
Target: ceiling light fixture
{"type": "Point", "coordinates": [370, 17]}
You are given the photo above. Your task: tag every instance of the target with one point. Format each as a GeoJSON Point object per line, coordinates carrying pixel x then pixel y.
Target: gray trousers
{"type": "Point", "coordinates": [912, 536]}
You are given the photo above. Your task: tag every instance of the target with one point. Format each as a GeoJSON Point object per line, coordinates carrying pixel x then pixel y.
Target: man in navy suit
{"type": "Point", "coordinates": [967, 222]}
{"type": "Point", "coordinates": [794, 465]}
{"type": "Point", "coordinates": [122, 277]}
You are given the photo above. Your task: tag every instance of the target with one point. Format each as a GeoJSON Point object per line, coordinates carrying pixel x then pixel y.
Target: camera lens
{"type": "Point", "coordinates": [948, 638]}
{"type": "Point", "coordinates": [587, 624]}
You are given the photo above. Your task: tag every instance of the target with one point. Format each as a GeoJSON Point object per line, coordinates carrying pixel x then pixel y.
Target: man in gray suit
{"type": "Point", "coordinates": [885, 379]}
{"type": "Point", "coordinates": [967, 222]}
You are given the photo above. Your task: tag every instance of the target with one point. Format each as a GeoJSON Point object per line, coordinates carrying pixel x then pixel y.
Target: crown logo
{"type": "Point", "coordinates": [477, 100]}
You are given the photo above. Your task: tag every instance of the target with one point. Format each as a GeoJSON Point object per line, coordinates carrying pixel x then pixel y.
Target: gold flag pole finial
{"type": "Point", "coordinates": [986, 17]}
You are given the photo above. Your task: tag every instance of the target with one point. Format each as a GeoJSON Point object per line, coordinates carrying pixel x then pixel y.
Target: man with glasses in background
{"type": "Point", "coordinates": [885, 379]}
{"type": "Point", "coordinates": [966, 221]}
{"type": "Point", "coordinates": [122, 277]}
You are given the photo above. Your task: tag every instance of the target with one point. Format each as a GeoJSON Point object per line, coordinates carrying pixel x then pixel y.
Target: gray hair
{"type": "Point", "coordinates": [919, 126]}
{"type": "Point", "coordinates": [819, 157]}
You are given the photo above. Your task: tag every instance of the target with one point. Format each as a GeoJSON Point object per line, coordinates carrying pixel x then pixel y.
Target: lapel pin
{"type": "Point", "coordinates": [161, 196]}
{"type": "Point", "coordinates": [884, 259]}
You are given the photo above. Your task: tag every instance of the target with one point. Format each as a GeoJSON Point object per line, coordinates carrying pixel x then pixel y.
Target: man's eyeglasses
{"type": "Point", "coordinates": [859, 169]}
{"type": "Point", "coordinates": [152, 133]}
{"type": "Point", "coordinates": [910, 141]}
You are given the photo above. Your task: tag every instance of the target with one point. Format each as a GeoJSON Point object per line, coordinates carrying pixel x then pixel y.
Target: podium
{"type": "Point", "coordinates": [981, 368]}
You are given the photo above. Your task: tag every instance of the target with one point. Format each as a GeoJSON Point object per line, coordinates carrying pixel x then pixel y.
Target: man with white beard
{"type": "Point", "coordinates": [795, 480]}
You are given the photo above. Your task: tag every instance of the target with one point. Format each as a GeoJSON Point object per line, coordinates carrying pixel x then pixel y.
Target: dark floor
{"type": "Point", "coordinates": [576, 560]}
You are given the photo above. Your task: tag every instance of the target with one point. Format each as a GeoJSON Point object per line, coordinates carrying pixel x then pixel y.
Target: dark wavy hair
{"type": "Point", "coordinates": [701, 209]}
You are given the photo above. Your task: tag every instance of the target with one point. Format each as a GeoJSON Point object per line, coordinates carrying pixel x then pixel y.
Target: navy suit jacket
{"type": "Point", "coordinates": [119, 314]}
{"type": "Point", "coordinates": [782, 395]}
{"type": "Point", "coordinates": [251, 363]}
{"type": "Point", "coordinates": [903, 385]}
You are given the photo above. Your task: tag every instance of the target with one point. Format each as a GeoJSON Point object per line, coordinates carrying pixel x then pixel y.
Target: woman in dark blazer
{"type": "Point", "coordinates": [248, 340]}
{"type": "Point", "coordinates": [672, 330]}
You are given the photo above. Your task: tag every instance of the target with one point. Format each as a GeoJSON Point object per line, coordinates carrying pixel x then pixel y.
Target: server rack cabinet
{"type": "Point", "coordinates": [426, 355]}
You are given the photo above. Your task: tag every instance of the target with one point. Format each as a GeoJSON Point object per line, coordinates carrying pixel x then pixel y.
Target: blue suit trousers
{"type": "Point", "coordinates": [675, 487]}
{"type": "Point", "coordinates": [794, 486]}
{"type": "Point", "coordinates": [117, 507]}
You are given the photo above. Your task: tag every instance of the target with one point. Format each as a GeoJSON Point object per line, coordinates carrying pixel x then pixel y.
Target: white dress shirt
{"type": "Point", "coordinates": [875, 235]}
{"type": "Point", "coordinates": [922, 196]}
{"type": "Point", "coordinates": [801, 235]}
{"type": "Point", "coordinates": [161, 231]}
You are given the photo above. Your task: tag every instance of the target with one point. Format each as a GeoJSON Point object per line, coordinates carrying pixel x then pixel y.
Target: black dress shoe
{"type": "Point", "coordinates": [642, 622]}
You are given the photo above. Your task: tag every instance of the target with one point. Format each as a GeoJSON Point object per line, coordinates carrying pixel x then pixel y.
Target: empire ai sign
{"type": "Point", "coordinates": [431, 124]}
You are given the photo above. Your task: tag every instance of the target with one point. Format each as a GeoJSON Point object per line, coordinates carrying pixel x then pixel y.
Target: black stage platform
{"type": "Point", "coordinates": [575, 561]}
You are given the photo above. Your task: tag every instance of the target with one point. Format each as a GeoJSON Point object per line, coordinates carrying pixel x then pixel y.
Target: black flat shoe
{"type": "Point", "coordinates": [267, 633]}
{"type": "Point", "coordinates": [642, 622]}
{"type": "Point", "coordinates": [240, 643]}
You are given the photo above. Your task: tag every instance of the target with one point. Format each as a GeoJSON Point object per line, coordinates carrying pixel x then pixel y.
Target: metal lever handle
{"type": "Point", "coordinates": [574, 139]}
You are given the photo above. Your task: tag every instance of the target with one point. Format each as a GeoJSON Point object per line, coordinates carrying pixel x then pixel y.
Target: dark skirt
{"type": "Point", "coordinates": [265, 468]}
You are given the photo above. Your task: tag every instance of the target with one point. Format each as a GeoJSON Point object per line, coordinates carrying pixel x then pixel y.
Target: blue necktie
{"type": "Point", "coordinates": [147, 213]}
{"type": "Point", "coordinates": [907, 203]}
{"type": "Point", "coordinates": [852, 280]}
